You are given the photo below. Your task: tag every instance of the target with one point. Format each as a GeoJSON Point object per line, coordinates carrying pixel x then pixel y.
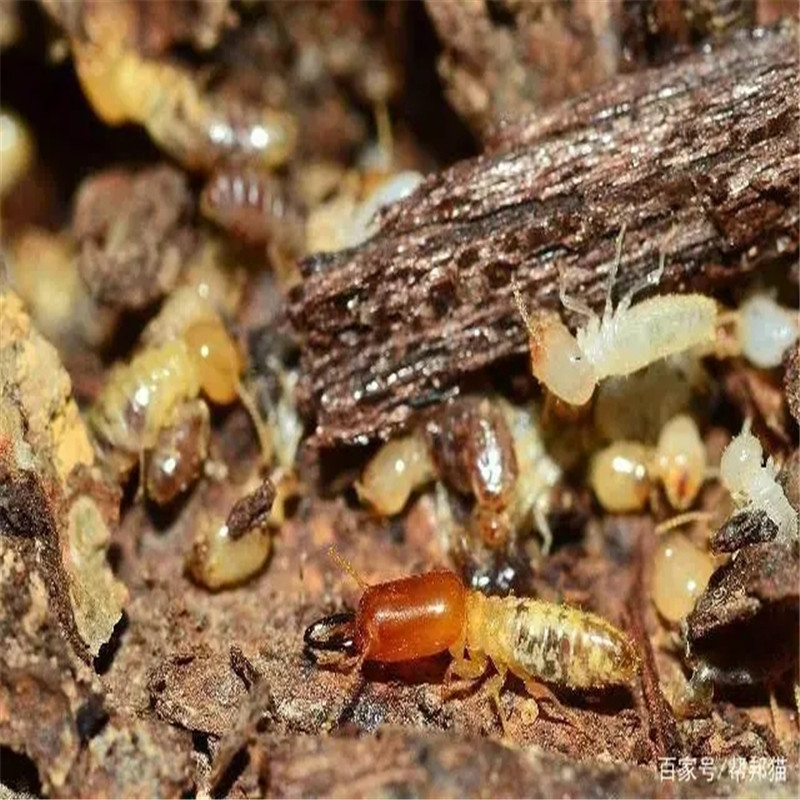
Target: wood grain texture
{"type": "Point", "coordinates": [699, 159]}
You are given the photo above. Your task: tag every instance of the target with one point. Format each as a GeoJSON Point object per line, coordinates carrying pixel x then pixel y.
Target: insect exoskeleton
{"type": "Point", "coordinates": [622, 341]}
{"type": "Point", "coordinates": [681, 572]}
{"type": "Point", "coordinates": [765, 329]}
{"type": "Point", "coordinates": [622, 474]}
{"type": "Point", "coordinates": [483, 448]}
{"type": "Point", "coordinates": [199, 129]}
{"type": "Point", "coordinates": [149, 393]}
{"type": "Point", "coordinates": [427, 614]}
{"type": "Point", "coordinates": [753, 485]}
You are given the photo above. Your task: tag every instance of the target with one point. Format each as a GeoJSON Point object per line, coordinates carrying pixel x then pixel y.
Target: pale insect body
{"type": "Point", "coordinates": [765, 330]}
{"type": "Point", "coordinates": [140, 397]}
{"type": "Point", "coordinates": [536, 640]}
{"type": "Point", "coordinates": [753, 485]}
{"type": "Point", "coordinates": [148, 394]}
{"type": "Point", "coordinates": [622, 341]}
{"type": "Point", "coordinates": [622, 474]}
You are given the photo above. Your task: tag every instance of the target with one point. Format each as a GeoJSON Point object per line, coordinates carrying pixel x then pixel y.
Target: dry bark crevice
{"type": "Point", "coordinates": [698, 158]}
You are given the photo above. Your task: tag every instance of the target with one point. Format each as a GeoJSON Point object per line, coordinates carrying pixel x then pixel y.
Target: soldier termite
{"type": "Point", "coordinates": [147, 394]}
{"type": "Point", "coordinates": [426, 614]}
{"type": "Point", "coordinates": [625, 339]}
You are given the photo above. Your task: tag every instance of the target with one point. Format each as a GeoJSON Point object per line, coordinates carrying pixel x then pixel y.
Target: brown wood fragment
{"type": "Point", "coordinates": [699, 159]}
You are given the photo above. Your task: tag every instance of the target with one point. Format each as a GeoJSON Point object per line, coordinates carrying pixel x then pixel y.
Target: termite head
{"type": "Point", "coordinates": [740, 461]}
{"type": "Point", "coordinates": [216, 359]}
{"type": "Point", "coordinates": [558, 362]}
{"type": "Point", "coordinates": [335, 633]}
{"type": "Point", "coordinates": [557, 359]}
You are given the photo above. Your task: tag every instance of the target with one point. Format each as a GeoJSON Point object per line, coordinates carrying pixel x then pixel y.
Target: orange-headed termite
{"type": "Point", "coordinates": [426, 614]}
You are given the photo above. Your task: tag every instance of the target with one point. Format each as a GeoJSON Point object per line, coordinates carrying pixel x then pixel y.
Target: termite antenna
{"type": "Point", "coordinates": [612, 275]}
{"type": "Point", "coordinates": [683, 519]}
{"type": "Point", "coordinates": [264, 439]}
{"type": "Point", "coordinates": [520, 303]}
{"type": "Point", "coordinates": [345, 565]}
{"type": "Point", "coordinates": [383, 126]}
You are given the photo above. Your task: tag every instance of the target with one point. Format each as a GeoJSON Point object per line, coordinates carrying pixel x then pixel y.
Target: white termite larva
{"type": "Point", "coordinates": [765, 330]}
{"type": "Point", "coordinates": [622, 341]}
{"type": "Point", "coordinates": [753, 485]}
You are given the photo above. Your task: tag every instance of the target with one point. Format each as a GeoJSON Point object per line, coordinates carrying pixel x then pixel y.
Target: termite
{"type": "Point", "coordinates": [484, 448]}
{"type": "Point", "coordinates": [423, 615]}
{"type": "Point", "coordinates": [622, 474]}
{"type": "Point", "coordinates": [198, 129]}
{"type": "Point", "coordinates": [146, 395]}
{"type": "Point", "coordinates": [681, 572]}
{"type": "Point", "coordinates": [622, 341]}
{"type": "Point", "coordinates": [753, 485]}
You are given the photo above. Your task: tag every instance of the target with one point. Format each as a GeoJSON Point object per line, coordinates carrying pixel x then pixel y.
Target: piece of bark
{"type": "Point", "coordinates": [503, 59]}
{"type": "Point", "coordinates": [745, 624]}
{"type": "Point", "coordinates": [699, 159]}
{"type": "Point", "coordinates": [791, 379]}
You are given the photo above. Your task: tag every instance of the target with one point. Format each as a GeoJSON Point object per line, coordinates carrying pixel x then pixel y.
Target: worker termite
{"type": "Point", "coordinates": [753, 485]}
{"type": "Point", "coordinates": [681, 572]}
{"type": "Point", "coordinates": [620, 342]}
{"type": "Point", "coordinates": [622, 474]}
{"type": "Point", "coordinates": [147, 394]}
{"type": "Point", "coordinates": [427, 614]}
{"type": "Point", "coordinates": [228, 551]}
{"type": "Point", "coordinates": [198, 129]}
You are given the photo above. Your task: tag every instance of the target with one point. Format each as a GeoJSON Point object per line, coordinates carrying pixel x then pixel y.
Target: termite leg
{"type": "Point", "coordinates": [682, 519]}
{"type": "Point", "coordinates": [542, 525]}
{"type": "Point", "coordinates": [383, 125]}
{"type": "Point", "coordinates": [493, 687]}
{"type": "Point", "coordinates": [521, 306]}
{"type": "Point", "coordinates": [651, 279]}
{"type": "Point", "coordinates": [608, 309]}
{"type": "Point", "coordinates": [778, 727]}
{"type": "Point", "coordinates": [539, 693]}
{"type": "Point", "coordinates": [141, 491]}
{"type": "Point", "coordinates": [264, 439]}
{"type": "Point", "coordinates": [572, 303]}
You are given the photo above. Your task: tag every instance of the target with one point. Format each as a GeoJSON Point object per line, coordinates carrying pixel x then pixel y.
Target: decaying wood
{"type": "Point", "coordinates": [700, 159]}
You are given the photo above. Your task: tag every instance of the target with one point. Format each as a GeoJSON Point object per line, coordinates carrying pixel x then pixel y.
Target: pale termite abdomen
{"type": "Point", "coordinates": [553, 643]}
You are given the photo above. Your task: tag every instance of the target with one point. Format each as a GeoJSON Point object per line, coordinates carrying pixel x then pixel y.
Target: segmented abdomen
{"type": "Point", "coordinates": [657, 328]}
{"type": "Point", "coordinates": [554, 643]}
